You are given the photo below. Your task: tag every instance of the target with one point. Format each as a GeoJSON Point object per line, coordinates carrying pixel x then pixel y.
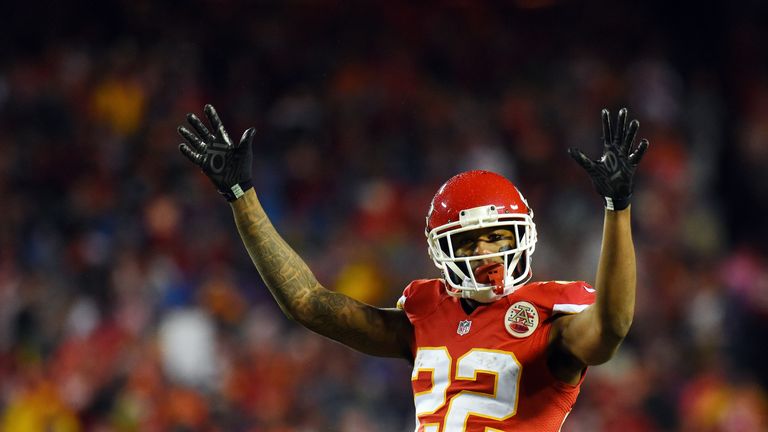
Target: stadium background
{"type": "Point", "coordinates": [128, 304]}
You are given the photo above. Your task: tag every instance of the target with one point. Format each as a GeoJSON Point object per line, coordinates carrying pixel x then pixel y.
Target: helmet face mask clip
{"type": "Point", "coordinates": [478, 217]}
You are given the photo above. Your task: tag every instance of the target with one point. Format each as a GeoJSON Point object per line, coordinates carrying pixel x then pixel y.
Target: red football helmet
{"type": "Point", "coordinates": [480, 199]}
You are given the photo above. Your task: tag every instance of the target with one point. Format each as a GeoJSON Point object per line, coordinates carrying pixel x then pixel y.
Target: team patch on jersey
{"type": "Point", "coordinates": [463, 328]}
{"type": "Point", "coordinates": [521, 319]}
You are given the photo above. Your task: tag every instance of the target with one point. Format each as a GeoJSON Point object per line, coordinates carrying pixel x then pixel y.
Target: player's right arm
{"type": "Point", "coordinates": [371, 330]}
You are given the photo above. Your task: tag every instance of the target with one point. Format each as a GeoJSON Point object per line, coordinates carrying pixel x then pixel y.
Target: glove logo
{"type": "Point", "coordinates": [521, 319]}
{"type": "Point", "coordinates": [218, 160]}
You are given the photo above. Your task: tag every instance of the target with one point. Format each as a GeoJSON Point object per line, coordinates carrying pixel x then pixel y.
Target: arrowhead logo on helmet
{"type": "Point", "coordinates": [473, 200]}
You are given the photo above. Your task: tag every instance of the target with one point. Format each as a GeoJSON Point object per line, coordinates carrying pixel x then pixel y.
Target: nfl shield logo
{"type": "Point", "coordinates": [464, 327]}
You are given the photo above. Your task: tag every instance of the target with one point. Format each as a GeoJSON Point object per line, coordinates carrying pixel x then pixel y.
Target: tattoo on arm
{"type": "Point", "coordinates": [383, 332]}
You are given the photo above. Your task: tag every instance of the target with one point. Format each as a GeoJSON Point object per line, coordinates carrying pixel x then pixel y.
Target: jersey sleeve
{"type": "Point", "coordinates": [573, 297]}
{"type": "Point", "coordinates": [420, 298]}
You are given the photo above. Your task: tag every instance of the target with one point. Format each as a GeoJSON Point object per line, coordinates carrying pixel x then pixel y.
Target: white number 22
{"type": "Point", "coordinates": [499, 404]}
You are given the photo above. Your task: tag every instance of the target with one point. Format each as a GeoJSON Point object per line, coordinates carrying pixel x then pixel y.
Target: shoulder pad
{"type": "Point", "coordinates": [421, 297]}
{"type": "Point", "coordinates": [561, 296]}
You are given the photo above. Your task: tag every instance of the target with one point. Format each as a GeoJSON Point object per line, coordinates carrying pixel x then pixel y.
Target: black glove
{"type": "Point", "coordinates": [228, 166]}
{"type": "Point", "coordinates": [613, 173]}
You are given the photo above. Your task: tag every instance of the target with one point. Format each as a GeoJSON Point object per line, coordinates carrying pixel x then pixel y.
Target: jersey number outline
{"type": "Point", "coordinates": [499, 405]}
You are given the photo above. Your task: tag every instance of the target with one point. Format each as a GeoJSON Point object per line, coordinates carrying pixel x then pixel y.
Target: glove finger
{"type": "Point", "coordinates": [192, 155]}
{"type": "Point", "coordinates": [196, 143]}
{"type": "Point", "coordinates": [629, 138]}
{"type": "Point", "coordinates": [216, 124]}
{"type": "Point", "coordinates": [200, 128]}
{"type": "Point", "coordinates": [606, 117]}
{"type": "Point", "coordinates": [636, 155]}
{"type": "Point", "coordinates": [582, 159]}
{"type": "Point", "coordinates": [247, 138]}
{"type": "Point", "coordinates": [621, 127]}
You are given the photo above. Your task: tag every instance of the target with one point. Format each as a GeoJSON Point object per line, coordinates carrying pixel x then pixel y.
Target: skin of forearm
{"type": "Point", "coordinates": [286, 275]}
{"type": "Point", "coordinates": [616, 276]}
{"type": "Point", "coordinates": [594, 335]}
{"type": "Point", "coordinates": [303, 299]}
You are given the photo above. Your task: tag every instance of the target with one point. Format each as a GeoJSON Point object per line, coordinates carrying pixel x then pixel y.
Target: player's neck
{"type": "Point", "coordinates": [469, 305]}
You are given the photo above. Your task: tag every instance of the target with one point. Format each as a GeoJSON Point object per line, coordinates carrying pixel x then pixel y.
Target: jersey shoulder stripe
{"type": "Point", "coordinates": [559, 296]}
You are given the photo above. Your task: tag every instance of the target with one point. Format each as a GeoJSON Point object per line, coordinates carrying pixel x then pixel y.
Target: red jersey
{"type": "Point", "coordinates": [487, 371]}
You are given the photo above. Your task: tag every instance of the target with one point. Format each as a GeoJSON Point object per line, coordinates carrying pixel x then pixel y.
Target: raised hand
{"type": "Point", "coordinates": [227, 165]}
{"type": "Point", "coordinates": [614, 172]}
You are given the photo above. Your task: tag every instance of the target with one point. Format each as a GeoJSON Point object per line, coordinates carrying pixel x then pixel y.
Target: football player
{"type": "Point", "coordinates": [490, 350]}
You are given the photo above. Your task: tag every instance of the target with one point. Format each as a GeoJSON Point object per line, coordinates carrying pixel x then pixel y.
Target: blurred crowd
{"type": "Point", "coordinates": [127, 302]}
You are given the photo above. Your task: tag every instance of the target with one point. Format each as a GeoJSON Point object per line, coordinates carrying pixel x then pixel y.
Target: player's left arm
{"type": "Point", "coordinates": [593, 335]}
